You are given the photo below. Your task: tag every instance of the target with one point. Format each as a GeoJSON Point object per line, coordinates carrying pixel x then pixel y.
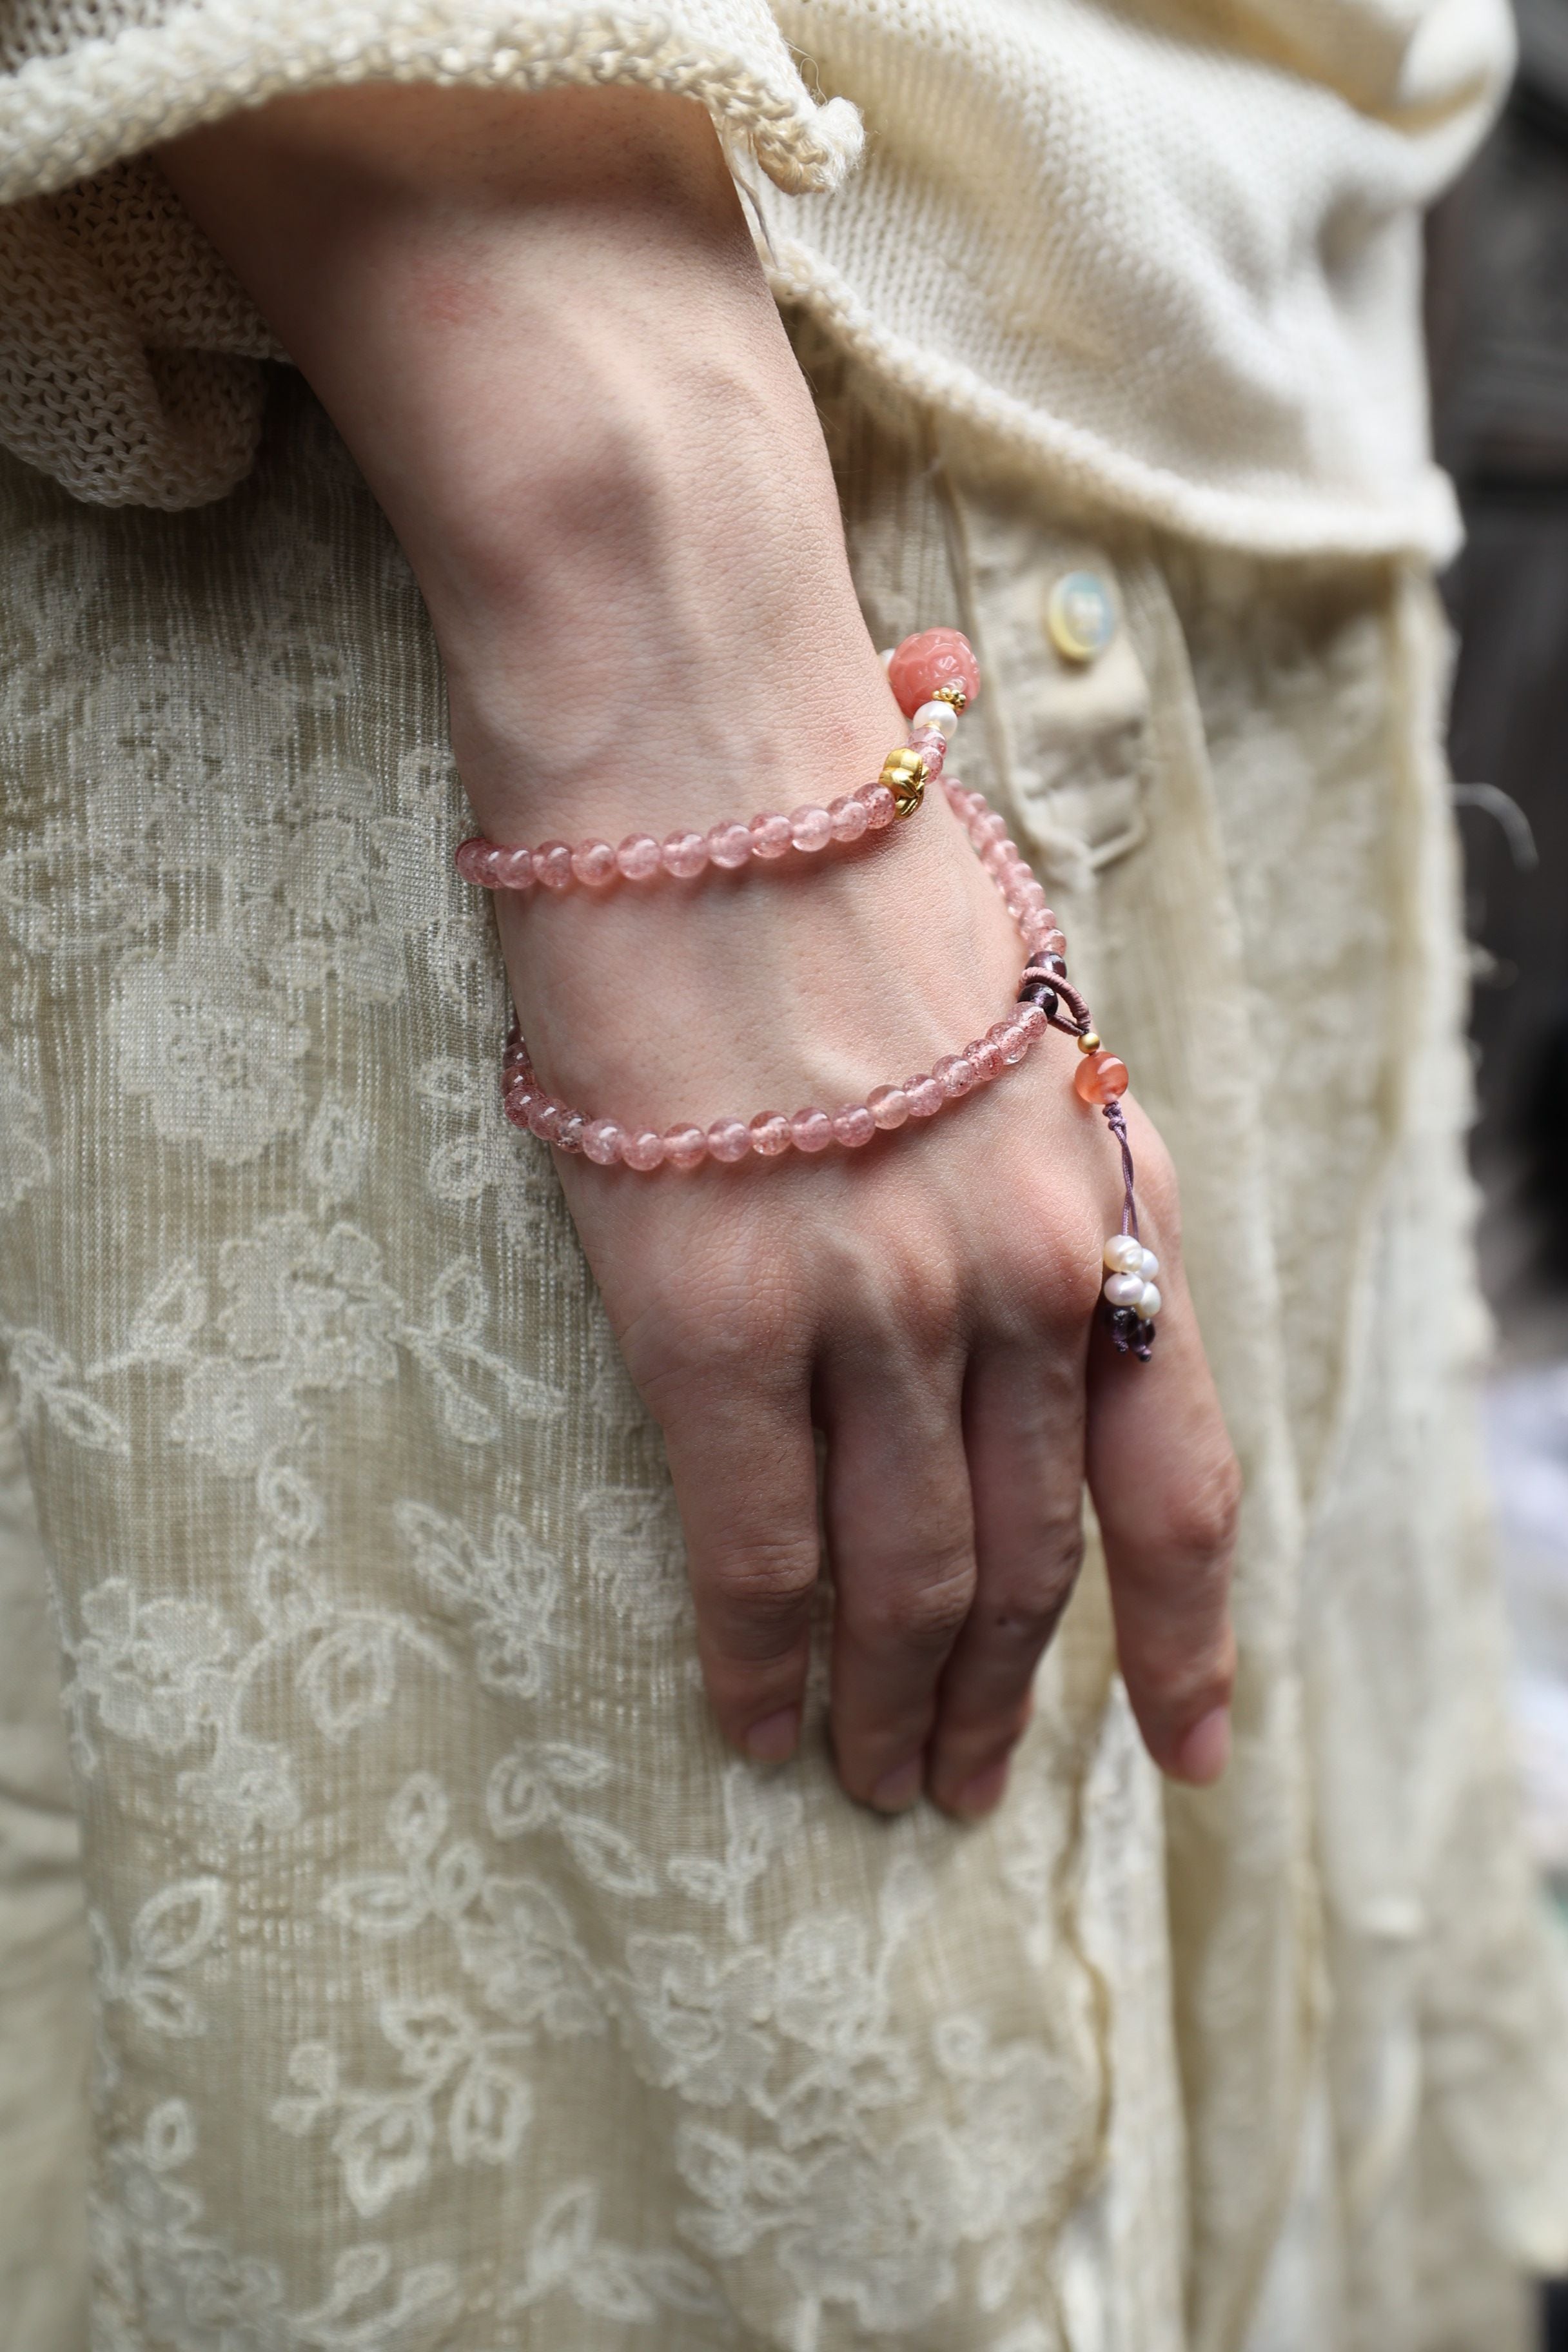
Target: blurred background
{"type": "Point", "coordinates": [1498, 319]}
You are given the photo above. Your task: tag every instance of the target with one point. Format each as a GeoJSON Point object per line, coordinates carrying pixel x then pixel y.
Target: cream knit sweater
{"type": "Point", "coordinates": [1164, 251]}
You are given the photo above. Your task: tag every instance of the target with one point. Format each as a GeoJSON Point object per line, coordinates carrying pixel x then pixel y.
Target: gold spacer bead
{"type": "Point", "coordinates": [950, 694]}
{"type": "Point", "coordinates": [904, 773]}
{"type": "Point", "coordinates": [1089, 1041]}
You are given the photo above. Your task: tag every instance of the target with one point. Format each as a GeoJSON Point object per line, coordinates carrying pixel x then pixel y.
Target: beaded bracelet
{"type": "Point", "coordinates": [1046, 1000]}
{"type": "Point", "coordinates": [934, 678]}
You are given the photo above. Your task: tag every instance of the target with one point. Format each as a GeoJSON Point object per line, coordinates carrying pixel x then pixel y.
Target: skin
{"type": "Point", "coordinates": [541, 326]}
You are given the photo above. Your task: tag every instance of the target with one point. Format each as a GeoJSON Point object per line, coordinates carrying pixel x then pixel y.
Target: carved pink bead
{"type": "Point", "coordinates": [771, 835]}
{"type": "Point", "coordinates": [643, 1151]}
{"type": "Point", "coordinates": [638, 857]}
{"type": "Point", "coordinates": [594, 864]}
{"type": "Point", "coordinates": [880, 806]}
{"type": "Point", "coordinates": [685, 1147]}
{"type": "Point", "coordinates": [729, 845]}
{"type": "Point", "coordinates": [810, 828]}
{"type": "Point", "coordinates": [728, 1140]}
{"type": "Point", "coordinates": [604, 1140]}
{"type": "Point", "coordinates": [553, 865]}
{"type": "Point", "coordinates": [853, 1126]}
{"type": "Point", "coordinates": [888, 1105]}
{"type": "Point", "coordinates": [923, 1095]}
{"type": "Point", "coordinates": [684, 854]}
{"type": "Point", "coordinates": [811, 1130]}
{"type": "Point", "coordinates": [770, 1134]}
{"type": "Point", "coordinates": [514, 869]}
{"type": "Point", "coordinates": [953, 1075]}
{"type": "Point", "coordinates": [849, 818]}
{"type": "Point", "coordinates": [936, 657]}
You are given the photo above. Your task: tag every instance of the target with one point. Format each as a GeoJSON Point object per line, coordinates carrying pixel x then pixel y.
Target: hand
{"type": "Point", "coordinates": [542, 328]}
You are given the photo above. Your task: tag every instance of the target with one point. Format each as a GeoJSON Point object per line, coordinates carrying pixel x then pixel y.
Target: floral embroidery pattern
{"type": "Point", "coordinates": [23, 1155]}
{"type": "Point", "coordinates": [151, 2255]}
{"type": "Point", "coordinates": [509, 1594]}
{"type": "Point", "coordinates": [167, 1674]}
{"type": "Point", "coordinates": [308, 1313]}
{"type": "Point", "coordinates": [172, 1931]}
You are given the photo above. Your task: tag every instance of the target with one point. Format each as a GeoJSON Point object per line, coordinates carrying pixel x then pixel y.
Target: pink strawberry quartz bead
{"type": "Point", "coordinates": [643, 1151]}
{"type": "Point", "coordinates": [604, 1140]}
{"type": "Point", "coordinates": [888, 1105]}
{"type": "Point", "coordinates": [683, 855]}
{"type": "Point", "coordinates": [849, 818]}
{"type": "Point", "coordinates": [771, 834]}
{"type": "Point", "coordinates": [853, 1126]}
{"type": "Point", "coordinates": [936, 657]}
{"type": "Point", "coordinates": [638, 857]}
{"type": "Point", "coordinates": [880, 806]}
{"type": "Point", "coordinates": [923, 1095]}
{"type": "Point", "coordinates": [810, 828]}
{"type": "Point", "coordinates": [728, 1140]}
{"type": "Point", "coordinates": [553, 865]}
{"type": "Point", "coordinates": [594, 863]}
{"type": "Point", "coordinates": [770, 1134]}
{"type": "Point", "coordinates": [729, 845]}
{"type": "Point", "coordinates": [811, 1130]}
{"type": "Point", "coordinates": [685, 1147]}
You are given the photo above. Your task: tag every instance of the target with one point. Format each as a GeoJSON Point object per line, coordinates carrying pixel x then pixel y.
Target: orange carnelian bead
{"type": "Point", "coordinates": [1099, 1078]}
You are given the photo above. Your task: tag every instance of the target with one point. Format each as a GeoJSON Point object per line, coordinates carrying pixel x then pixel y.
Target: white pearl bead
{"type": "Point", "coordinates": [1124, 1290]}
{"type": "Point", "coordinates": [1149, 1265]}
{"type": "Point", "coordinates": [1149, 1304]}
{"type": "Point", "coordinates": [1123, 1253]}
{"type": "Point", "coordinates": [886, 655]}
{"type": "Point", "coordinates": [937, 714]}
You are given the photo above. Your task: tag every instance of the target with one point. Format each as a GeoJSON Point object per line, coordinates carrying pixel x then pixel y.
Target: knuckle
{"type": "Point", "coordinates": [921, 1612]}
{"type": "Point", "coordinates": [766, 1582]}
{"type": "Point", "coordinates": [1205, 1516]}
{"type": "Point", "coordinates": [1025, 1615]}
{"type": "Point", "coordinates": [1184, 1684]}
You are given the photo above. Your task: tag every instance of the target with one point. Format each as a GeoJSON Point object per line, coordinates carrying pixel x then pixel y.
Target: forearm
{"type": "Point", "coordinates": [542, 328]}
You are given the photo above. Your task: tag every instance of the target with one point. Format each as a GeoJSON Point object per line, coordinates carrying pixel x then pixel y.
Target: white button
{"type": "Point", "coordinates": [1080, 617]}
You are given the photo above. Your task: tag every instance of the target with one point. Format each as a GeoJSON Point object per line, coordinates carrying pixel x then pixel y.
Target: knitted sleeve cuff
{"type": "Point", "coordinates": [127, 350]}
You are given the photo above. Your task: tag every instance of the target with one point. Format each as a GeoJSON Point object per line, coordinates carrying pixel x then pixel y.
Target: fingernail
{"type": "Point", "coordinates": [983, 1793]}
{"type": "Point", "coordinates": [772, 1741]}
{"type": "Point", "coordinates": [1206, 1751]}
{"type": "Point", "coordinates": [899, 1789]}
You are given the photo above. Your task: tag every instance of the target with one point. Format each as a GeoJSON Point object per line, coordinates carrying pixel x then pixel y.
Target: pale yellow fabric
{"type": "Point", "coordinates": [1165, 254]}
{"type": "Point", "coordinates": [458, 1991]}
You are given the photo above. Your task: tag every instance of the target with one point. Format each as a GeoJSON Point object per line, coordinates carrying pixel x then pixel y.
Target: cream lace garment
{"type": "Point", "coordinates": [456, 1991]}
